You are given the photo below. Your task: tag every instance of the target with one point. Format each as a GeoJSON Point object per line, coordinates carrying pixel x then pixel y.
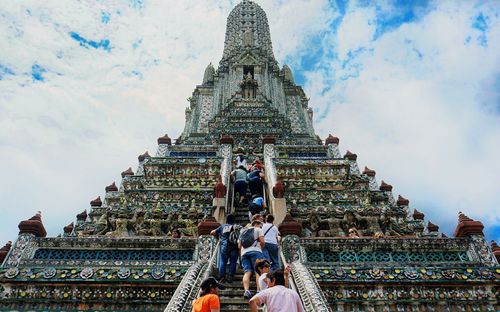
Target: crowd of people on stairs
{"type": "Point", "coordinates": [255, 246]}
{"type": "Point", "coordinates": [271, 282]}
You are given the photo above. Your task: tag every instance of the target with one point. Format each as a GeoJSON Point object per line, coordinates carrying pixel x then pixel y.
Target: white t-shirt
{"type": "Point", "coordinates": [257, 232]}
{"type": "Point", "coordinates": [241, 161]}
{"type": "Point", "coordinates": [262, 283]}
{"type": "Point", "coordinates": [272, 235]}
{"type": "Point", "coordinates": [278, 298]}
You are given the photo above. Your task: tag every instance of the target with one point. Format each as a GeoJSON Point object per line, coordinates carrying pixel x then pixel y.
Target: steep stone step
{"type": "Point", "coordinates": [232, 298]}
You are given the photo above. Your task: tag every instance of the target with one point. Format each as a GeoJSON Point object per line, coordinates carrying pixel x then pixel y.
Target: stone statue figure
{"type": "Point", "coordinates": [350, 221]}
{"type": "Point", "coordinates": [248, 86]}
{"type": "Point", "coordinates": [121, 228]}
{"type": "Point", "coordinates": [248, 38]}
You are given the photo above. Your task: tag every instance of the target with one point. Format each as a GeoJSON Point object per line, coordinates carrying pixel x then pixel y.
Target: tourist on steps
{"type": "Point", "coordinates": [240, 182]}
{"type": "Point", "coordinates": [256, 206]}
{"type": "Point", "coordinates": [276, 297]}
{"type": "Point", "coordinates": [272, 239]}
{"type": "Point", "coordinates": [255, 180]}
{"type": "Point", "coordinates": [208, 299]}
{"type": "Point", "coordinates": [227, 250]}
{"type": "Point", "coordinates": [251, 243]}
{"type": "Point", "coordinates": [241, 160]}
{"type": "Point", "coordinates": [262, 267]}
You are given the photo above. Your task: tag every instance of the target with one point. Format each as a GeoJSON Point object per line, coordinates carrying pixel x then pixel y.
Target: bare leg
{"type": "Point", "coordinates": [246, 280]}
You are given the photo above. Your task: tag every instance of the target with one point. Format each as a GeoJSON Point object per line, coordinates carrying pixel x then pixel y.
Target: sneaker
{"type": "Point", "coordinates": [229, 279]}
{"type": "Point", "coordinates": [247, 295]}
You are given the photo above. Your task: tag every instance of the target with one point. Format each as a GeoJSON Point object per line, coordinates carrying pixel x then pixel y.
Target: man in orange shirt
{"type": "Point", "coordinates": [208, 300]}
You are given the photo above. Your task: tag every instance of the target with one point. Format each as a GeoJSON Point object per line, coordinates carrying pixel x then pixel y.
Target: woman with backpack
{"type": "Point", "coordinates": [228, 247]}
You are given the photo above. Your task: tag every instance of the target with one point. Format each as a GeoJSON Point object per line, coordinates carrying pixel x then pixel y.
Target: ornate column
{"type": "Point", "coordinates": [23, 247]}
{"type": "Point", "coordinates": [278, 205]}
{"type": "Point", "coordinates": [19, 250]}
{"type": "Point", "coordinates": [333, 146]}
{"type": "Point", "coordinates": [163, 146]}
{"type": "Point", "coordinates": [140, 167]}
{"type": "Point", "coordinates": [351, 157]}
{"type": "Point", "coordinates": [226, 151]}
{"type": "Point", "coordinates": [373, 185]}
{"type": "Point", "coordinates": [479, 250]}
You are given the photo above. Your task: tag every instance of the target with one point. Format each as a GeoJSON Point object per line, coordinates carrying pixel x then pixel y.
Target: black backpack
{"type": "Point", "coordinates": [247, 238]}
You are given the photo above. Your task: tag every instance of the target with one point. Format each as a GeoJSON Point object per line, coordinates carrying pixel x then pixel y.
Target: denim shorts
{"type": "Point", "coordinates": [248, 260]}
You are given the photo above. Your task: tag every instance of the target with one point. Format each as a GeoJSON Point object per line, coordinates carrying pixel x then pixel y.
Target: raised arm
{"type": "Point", "coordinates": [254, 304]}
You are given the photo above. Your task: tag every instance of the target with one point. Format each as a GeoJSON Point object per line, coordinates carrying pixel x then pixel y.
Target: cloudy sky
{"type": "Point", "coordinates": [412, 87]}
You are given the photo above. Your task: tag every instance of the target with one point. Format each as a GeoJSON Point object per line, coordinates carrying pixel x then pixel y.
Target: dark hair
{"type": "Point", "coordinates": [208, 284]}
{"type": "Point", "coordinates": [270, 218]}
{"type": "Point", "coordinates": [242, 167]}
{"type": "Point", "coordinates": [260, 264]}
{"type": "Point", "coordinates": [278, 276]}
{"type": "Point", "coordinates": [205, 288]}
{"type": "Point", "coordinates": [230, 219]}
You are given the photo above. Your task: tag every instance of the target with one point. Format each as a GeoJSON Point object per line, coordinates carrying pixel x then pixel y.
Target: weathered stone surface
{"type": "Point", "coordinates": [69, 228]}
{"type": "Point", "coordinates": [369, 172]}
{"type": "Point", "coordinates": [96, 202]}
{"type": "Point", "coordinates": [402, 201]}
{"type": "Point", "coordinates": [278, 189]}
{"type": "Point", "coordinates": [350, 156]}
{"type": "Point", "coordinates": [165, 140]}
{"type": "Point", "coordinates": [385, 187]}
{"type": "Point", "coordinates": [331, 140]}
{"type": "Point", "coordinates": [4, 251]}
{"type": "Point", "coordinates": [496, 250]}
{"type": "Point", "coordinates": [466, 226]}
{"type": "Point", "coordinates": [207, 225]}
{"type": "Point", "coordinates": [128, 172]}
{"type": "Point", "coordinates": [33, 226]}
{"type": "Point", "coordinates": [220, 189]}
{"type": "Point", "coordinates": [142, 157]}
{"type": "Point", "coordinates": [111, 188]}
{"type": "Point", "coordinates": [290, 226]}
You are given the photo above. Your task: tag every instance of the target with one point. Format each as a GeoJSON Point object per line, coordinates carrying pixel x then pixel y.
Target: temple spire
{"type": "Point", "coordinates": [247, 28]}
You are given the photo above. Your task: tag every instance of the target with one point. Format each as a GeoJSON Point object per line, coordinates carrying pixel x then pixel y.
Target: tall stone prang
{"type": "Point", "coordinates": [350, 243]}
{"type": "Point", "coordinates": [249, 96]}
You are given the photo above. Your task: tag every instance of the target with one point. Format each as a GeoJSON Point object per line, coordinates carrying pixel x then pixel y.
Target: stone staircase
{"type": "Point", "coordinates": [241, 214]}
{"type": "Point", "coordinates": [231, 298]}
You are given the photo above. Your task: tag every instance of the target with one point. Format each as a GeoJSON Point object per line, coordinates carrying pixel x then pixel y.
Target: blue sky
{"type": "Point", "coordinates": [413, 87]}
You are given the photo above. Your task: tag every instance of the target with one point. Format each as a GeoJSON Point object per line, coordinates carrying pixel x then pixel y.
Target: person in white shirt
{"type": "Point", "coordinates": [251, 253]}
{"type": "Point", "coordinates": [277, 297]}
{"type": "Point", "coordinates": [272, 239]}
{"type": "Point", "coordinates": [262, 267]}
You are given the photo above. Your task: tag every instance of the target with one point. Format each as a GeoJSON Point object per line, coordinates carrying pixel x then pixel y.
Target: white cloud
{"type": "Point", "coordinates": [413, 113]}
{"type": "Point", "coordinates": [63, 140]}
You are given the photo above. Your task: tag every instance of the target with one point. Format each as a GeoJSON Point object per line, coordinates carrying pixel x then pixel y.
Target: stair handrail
{"type": "Point", "coordinates": [305, 284]}
{"type": "Point", "coordinates": [229, 208]}
{"type": "Point", "coordinates": [182, 293]}
{"type": "Point", "coordinates": [205, 273]}
{"type": "Point", "coordinates": [291, 283]}
{"type": "Point", "coordinates": [187, 291]}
